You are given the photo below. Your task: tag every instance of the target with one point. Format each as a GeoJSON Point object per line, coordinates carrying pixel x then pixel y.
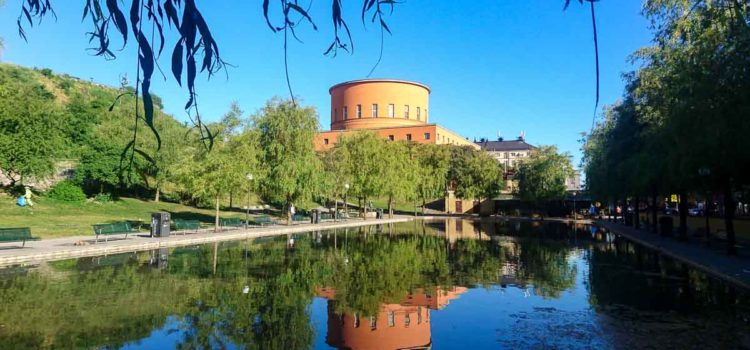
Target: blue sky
{"type": "Point", "coordinates": [493, 65]}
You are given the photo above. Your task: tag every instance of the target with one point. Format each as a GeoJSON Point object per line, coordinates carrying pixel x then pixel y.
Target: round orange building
{"type": "Point", "coordinates": [378, 103]}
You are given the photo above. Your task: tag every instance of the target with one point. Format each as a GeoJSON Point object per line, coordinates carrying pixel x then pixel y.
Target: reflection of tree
{"type": "Point", "coordinates": [546, 266]}
{"type": "Point", "coordinates": [258, 293]}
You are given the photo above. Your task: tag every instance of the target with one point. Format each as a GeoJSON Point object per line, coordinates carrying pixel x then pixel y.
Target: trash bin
{"type": "Point", "coordinates": [160, 224]}
{"type": "Point", "coordinates": [666, 226]}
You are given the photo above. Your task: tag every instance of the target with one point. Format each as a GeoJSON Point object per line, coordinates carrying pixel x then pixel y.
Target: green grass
{"type": "Point", "coordinates": [50, 218]}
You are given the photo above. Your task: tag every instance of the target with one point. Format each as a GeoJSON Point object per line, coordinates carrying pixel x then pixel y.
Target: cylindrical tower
{"type": "Point", "coordinates": [378, 103]}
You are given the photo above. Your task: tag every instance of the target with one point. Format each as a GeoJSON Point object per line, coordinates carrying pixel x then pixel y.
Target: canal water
{"type": "Point", "coordinates": [446, 284]}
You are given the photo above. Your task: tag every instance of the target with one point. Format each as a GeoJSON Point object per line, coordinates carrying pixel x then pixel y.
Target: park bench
{"type": "Point", "coordinates": [114, 228]}
{"type": "Point", "coordinates": [300, 218]}
{"type": "Point", "coordinates": [186, 225]}
{"type": "Point", "coordinates": [263, 220]}
{"type": "Point", "coordinates": [17, 234]}
{"type": "Point", "coordinates": [231, 222]}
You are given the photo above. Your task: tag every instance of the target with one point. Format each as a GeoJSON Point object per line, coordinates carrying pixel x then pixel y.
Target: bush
{"type": "Point", "coordinates": [103, 198]}
{"type": "Point", "coordinates": [67, 191]}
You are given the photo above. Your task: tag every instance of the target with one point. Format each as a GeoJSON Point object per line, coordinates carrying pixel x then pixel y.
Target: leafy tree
{"type": "Point", "coordinates": [432, 173]}
{"type": "Point", "coordinates": [285, 140]}
{"type": "Point", "coordinates": [474, 174]}
{"type": "Point", "coordinates": [541, 177]}
{"type": "Point", "coordinates": [361, 160]}
{"type": "Point", "coordinates": [401, 173]}
{"type": "Point", "coordinates": [30, 123]}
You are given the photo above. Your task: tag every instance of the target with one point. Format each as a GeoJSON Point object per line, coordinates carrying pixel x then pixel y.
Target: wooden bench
{"type": "Point", "coordinates": [186, 225]}
{"type": "Point", "coordinates": [17, 234]}
{"type": "Point", "coordinates": [115, 228]}
{"type": "Point", "coordinates": [231, 222]}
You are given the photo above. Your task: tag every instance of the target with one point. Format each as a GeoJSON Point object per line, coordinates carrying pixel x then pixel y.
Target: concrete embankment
{"type": "Point", "coordinates": [83, 246]}
{"type": "Point", "coordinates": [733, 269]}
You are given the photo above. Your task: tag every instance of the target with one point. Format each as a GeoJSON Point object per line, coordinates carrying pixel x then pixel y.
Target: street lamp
{"type": "Point", "coordinates": [574, 209]}
{"type": "Point", "coordinates": [249, 178]}
{"type": "Point", "coordinates": [346, 209]}
{"type": "Point", "coordinates": [705, 172]}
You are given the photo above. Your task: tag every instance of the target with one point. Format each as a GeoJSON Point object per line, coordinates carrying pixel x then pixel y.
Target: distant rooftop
{"type": "Point", "coordinates": [518, 144]}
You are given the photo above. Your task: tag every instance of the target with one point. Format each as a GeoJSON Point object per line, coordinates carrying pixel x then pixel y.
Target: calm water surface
{"type": "Point", "coordinates": [448, 284]}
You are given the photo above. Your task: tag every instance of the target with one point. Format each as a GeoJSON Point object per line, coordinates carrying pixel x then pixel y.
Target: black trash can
{"type": "Point", "coordinates": [160, 224]}
{"type": "Point", "coordinates": [666, 226]}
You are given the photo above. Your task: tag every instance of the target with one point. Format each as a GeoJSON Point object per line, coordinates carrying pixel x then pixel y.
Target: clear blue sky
{"type": "Point", "coordinates": [507, 66]}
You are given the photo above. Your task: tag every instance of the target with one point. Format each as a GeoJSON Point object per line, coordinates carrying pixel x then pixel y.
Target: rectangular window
{"type": "Point", "coordinates": [419, 315]}
{"type": "Point", "coordinates": [391, 319]}
{"type": "Point", "coordinates": [408, 137]}
{"type": "Point", "coordinates": [374, 110]}
{"type": "Point", "coordinates": [373, 323]}
{"type": "Point", "coordinates": [391, 110]}
{"type": "Point", "coordinates": [325, 141]}
{"type": "Point", "coordinates": [346, 113]}
{"type": "Point", "coordinates": [407, 320]}
{"type": "Point", "coordinates": [390, 137]}
{"type": "Point", "coordinates": [419, 113]}
{"type": "Point", "coordinates": [406, 111]}
{"type": "Point", "coordinates": [356, 321]}
{"type": "Point", "coordinates": [427, 136]}
{"type": "Point", "coordinates": [359, 111]}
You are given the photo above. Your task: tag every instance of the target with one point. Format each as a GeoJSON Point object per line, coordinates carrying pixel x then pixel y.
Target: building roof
{"type": "Point", "coordinates": [365, 81]}
{"type": "Point", "coordinates": [503, 146]}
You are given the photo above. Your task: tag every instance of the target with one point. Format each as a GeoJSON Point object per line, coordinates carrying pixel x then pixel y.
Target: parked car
{"type": "Point", "coordinates": [695, 211]}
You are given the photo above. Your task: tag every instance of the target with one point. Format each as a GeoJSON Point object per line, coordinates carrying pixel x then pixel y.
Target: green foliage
{"type": "Point", "coordinates": [103, 198]}
{"type": "Point", "coordinates": [30, 123]}
{"type": "Point", "coordinates": [67, 191]}
{"type": "Point", "coordinates": [474, 174]}
{"type": "Point", "coordinates": [285, 134]}
{"type": "Point", "coordinates": [542, 176]}
{"type": "Point", "coordinates": [433, 167]}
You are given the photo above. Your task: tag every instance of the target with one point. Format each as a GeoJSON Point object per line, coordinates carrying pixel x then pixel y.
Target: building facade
{"type": "Point", "coordinates": [394, 109]}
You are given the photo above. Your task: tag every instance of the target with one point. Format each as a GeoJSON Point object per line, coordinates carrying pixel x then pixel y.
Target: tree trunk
{"type": "Point", "coordinates": [654, 213]}
{"type": "Point", "coordinates": [158, 195]}
{"type": "Point", "coordinates": [289, 213]}
{"type": "Point", "coordinates": [364, 209]}
{"type": "Point", "coordinates": [216, 219]}
{"type": "Point", "coordinates": [683, 215]}
{"type": "Point", "coordinates": [637, 213]}
{"type": "Point", "coordinates": [390, 207]}
{"type": "Point", "coordinates": [729, 217]}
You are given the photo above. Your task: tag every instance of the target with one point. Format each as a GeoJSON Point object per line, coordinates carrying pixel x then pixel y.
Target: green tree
{"type": "Point", "coordinates": [285, 138]}
{"type": "Point", "coordinates": [400, 173]}
{"type": "Point", "coordinates": [30, 124]}
{"type": "Point", "coordinates": [541, 177]}
{"type": "Point", "coordinates": [432, 173]}
{"type": "Point", "coordinates": [474, 174]}
{"type": "Point", "coordinates": [361, 161]}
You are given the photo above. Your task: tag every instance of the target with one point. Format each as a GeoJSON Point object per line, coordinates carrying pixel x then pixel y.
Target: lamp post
{"type": "Point", "coordinates": [249, 178]}
{"type": "Point", "coordinates": [705, 172]}
{"type": "Point", "coordinates": [574, 210]}
{"type": "Point", "coordinates": [346, 209]}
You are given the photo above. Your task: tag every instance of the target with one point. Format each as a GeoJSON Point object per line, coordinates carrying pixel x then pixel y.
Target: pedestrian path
{"type": "Point", "coordinates": [83, 246]}
{"type": "Point", "coordinates": [734, 269]}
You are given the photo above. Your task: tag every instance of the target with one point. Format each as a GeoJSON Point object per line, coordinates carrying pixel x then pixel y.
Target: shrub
{"type": "Point", "coordinates": [103, 198]}
{"type": "Point", "coordinates": [46, 72]}
{"type": "Point", "coordinates": [67, 191]}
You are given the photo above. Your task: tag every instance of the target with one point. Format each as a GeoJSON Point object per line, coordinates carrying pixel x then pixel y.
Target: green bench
{"type": "Point", "coordinates": [231, 222]}
{"type": "Point", "coordinates": [16, 234]}
{"type": "Point", "coordinates": [263, 220]}
{"type": "Point", "coordinates": [115, 228]}
{"type": "Point", "coordinates": [300, 218]}
{"type": "Point", "coordinates": [186, 225]}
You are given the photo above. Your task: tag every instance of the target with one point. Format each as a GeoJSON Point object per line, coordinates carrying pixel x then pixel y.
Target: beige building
{"type": "Point", "coordinates": [509, 153]}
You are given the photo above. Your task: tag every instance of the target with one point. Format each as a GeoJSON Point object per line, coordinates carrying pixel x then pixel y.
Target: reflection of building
{"type": "Point", "coordinates": [394, 109]}
{"type": "Point", "coordinates": [396, 326]}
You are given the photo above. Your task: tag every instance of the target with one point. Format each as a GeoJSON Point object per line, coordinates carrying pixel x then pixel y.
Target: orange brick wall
{"type": "Point", "coordinates": [383, 93]}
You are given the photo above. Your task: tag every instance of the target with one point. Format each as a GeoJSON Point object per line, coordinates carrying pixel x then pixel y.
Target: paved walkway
{"type": "Point", "coordinates": [734, 269]}
{"type": "Point", "coordinates": [66, 248]}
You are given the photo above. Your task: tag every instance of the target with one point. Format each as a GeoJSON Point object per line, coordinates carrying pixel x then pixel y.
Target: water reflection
{"type": "Point", "coordinates": [512, 284]}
